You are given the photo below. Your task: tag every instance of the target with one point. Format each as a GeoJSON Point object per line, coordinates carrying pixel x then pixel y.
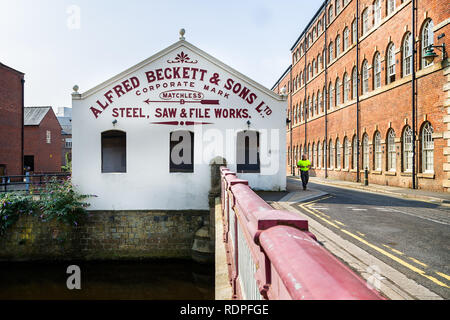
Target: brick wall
{"type": "Point", "coordinates": [47, 156]}
{"type": "Point", "coordinates": [11, 115]}
{"type": "Point", "coordinates": [380, 109]}
{"type": "Point", "coordinates": [104, 235]}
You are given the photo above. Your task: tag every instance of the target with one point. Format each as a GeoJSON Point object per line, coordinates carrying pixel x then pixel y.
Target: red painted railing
{"type": "Point", "coordinates": [272, 255]}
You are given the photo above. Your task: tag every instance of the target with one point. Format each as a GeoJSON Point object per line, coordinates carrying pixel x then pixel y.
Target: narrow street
{"type": "Point", "coordinates": [411, 236]}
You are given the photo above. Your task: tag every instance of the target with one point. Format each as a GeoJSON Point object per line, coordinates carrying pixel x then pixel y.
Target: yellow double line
{"type": "Point", "coordinates": [322, 216]}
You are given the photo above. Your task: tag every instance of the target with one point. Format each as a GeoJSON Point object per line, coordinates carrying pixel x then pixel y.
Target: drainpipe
{"type": "Point", "coordinates": [413, 84]}
{"type": "Point", "coordinates": [357, 91]}
{"type": "Point", "coordinates": [23, 115]}
{"type": "Point", "coordinates": [325, 93]}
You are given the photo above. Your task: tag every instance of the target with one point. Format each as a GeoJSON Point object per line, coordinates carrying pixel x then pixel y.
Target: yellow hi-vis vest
{"type": "Point", "coordinates": [303, 164]}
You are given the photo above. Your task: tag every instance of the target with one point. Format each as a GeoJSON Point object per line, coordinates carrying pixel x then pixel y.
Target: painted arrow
{"type": "Point", "coordinates": [148, 101]}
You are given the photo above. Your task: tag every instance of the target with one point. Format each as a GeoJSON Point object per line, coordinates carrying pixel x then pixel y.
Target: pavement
{"type": "Point", "coordinates": [223, 290]}
{"type": "Point", "coordinates": [397, 239]}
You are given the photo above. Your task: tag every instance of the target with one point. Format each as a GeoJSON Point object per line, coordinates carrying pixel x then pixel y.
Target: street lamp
{"type": "Point", "coordinates": [430, 54]}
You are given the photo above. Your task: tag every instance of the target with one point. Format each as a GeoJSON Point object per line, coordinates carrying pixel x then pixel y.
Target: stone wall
{"type": "Point", "coordinates": [104, 235]}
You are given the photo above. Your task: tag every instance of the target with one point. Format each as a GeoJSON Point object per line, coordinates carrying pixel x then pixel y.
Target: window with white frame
{"type": "Point", "coordinates": [390, 64]}
{"type": "Point", "coordinates": [338, 6]}
{"type": "Point", "coordinates": [355, 152]}
{"type": "Point", "coordinates": [427, 40]}
{"type": "Point", "coordinates": [407, 149]}
{"type": "Point", "coordinates": [354, 32]}
{"type": "Point", "coordinates": [427, 148]}
{"type": "Point", "coordinates": [346, 153]}
{"type": "Point", "coordinates": [338, 91]}
{"type": "Point", "coordinates": [319, 155]}
{"type": "Point", "coordinates": [313, 156]}
{"type": "Point", "coordinates": [390, 6]}
{"type": "Point", "coordinates": [377, 12]}
{"type": "Point", "coordinates": [331, 153]}
{"type": "Point", "coordinates": [330, 95]}
{"type": "Point", "coordinates": [346, 38]}
{"type": "Point", "coordinates": [377, 151]}
{"type": "Point", "coordinates": [330, 52]}
{"type": "Point", "coordinates": [391, 152]}
{"type": "Point", "coordinates": [407, 55]}
{"type": "Point", "coordinates": [365, 150]}
{"type": "Point", "coordinates": [377, 71]}
{"type": "Point", "coordinates": [354, 83]}
{"type": "Point", "coordinates": [338, 46]}
{"type": "Point", "coordinates": [346, 87]}
{"type": "Point", "coordinates": [338, 154]}
{"type": "Point", "coordinates": [365, 21]}
{"type": "Point", "coordinates": [365, 77]}
{"type": "Point", "coordinates": [324, 148]}
{"type": "Point", "coordinates": [330, 14]}
{"type": "Point", "coordinates": [48, 136]}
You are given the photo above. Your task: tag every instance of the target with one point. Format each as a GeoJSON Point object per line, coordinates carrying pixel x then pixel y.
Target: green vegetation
{"type": "Point", "coordinates": [57, 201]}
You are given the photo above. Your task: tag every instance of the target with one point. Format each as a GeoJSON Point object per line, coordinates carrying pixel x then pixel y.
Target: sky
{"type": "Point", "coordinates": [60, 43]}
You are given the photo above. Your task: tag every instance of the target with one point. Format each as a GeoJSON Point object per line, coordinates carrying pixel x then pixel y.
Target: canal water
{"type": "Point", "coordinates": [153, 280]}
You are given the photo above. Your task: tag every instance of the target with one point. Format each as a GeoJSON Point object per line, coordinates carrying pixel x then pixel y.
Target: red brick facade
{"type": "Point", "coordinates": [47, 153]}
{"type": "Point", "coordinates": [384, 119]}
{"type": "Point", "coordinates": [11, 115]}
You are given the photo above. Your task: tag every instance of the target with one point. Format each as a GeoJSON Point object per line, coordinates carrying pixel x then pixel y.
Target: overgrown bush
{"type": "Point", "coordinates": [58, 201]}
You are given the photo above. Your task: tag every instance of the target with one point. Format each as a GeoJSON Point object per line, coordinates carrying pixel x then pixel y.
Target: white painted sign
{"type": "Point", "coordinates": [122, 132]}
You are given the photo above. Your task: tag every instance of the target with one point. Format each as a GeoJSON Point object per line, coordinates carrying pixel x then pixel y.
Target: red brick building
{"type": "Point", "coordinates": [43, 141]}
{"type": "Point", "coordinates": [11, 120]}
{"type": "Point", "coordinates": [350, 89]}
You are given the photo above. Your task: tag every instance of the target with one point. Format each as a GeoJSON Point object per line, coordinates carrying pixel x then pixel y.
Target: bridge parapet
{"type": "Point", "coordinates": [272, 255]}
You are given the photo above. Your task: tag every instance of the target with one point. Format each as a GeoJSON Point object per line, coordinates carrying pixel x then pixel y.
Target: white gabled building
{"type": "Point", "coordinates": [124, 130]}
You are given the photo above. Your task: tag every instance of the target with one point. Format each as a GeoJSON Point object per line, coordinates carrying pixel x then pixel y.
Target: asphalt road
{"type": "Point", "coordinates": [411, 236]}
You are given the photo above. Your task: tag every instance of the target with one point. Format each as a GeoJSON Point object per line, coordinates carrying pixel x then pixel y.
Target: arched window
{"type": "Point", "coordinates": [346, 38]}
{"type": "Point", "coordinates": [338, 6]}
{"type": "Point", "coordinates": [313, 155]}
{"type": "Point", "coordinates": [309, 72]}
{"type": "Point", "coordinates": [331, 153]}
{"type": "Point", "coordinates": [346, 87]}
{"type": "Point", "coordinates": [377, 71]}
{"type": "Point", "coordinates": [338, 46]}
{"type": "Point", "coordinates": [365, 150]}
{"type": "Point", "coordinates": [314, 67]}
{"type": "Point", "coordinates": [309, 151]}
{"type": "Point", "coordinates": [354, 32]}
{"type": "Point", "coordinates": [324, 57]}
{"type": "Point", "coordinates": [427, 40]}
{"type": "Point", "coordinates": [309, 108]}
{"type": "Point", "coordinates": [324, 148]}
{"type": "Point", "coordinates": [390, 64]}
{"type": "Point", "coordinates": [355, 152]}
{"type": "Point", "coordinates": [338, 154]}
{"type": "Point", "coordinates": [330, 95]}
{"type": "Point", "coordinates": [365, 21]}
{"type": "Point", "coordinates": [312, 105]}
{"type": "Point", "coordinates": [319, 102]}
{"type": "Point", "coordinates": [407, 55]}
{"type": "Point", "coordinates": [319, 63]}
{"type": "Point", "coordinates": [391, 152]}
{"type": "Point", "coordinates": [330, 14]}
{"type": "Point", "coordinates": [427, 148]}
{"type": "Point", "coordinates": [338, 92]}
{"type": "Point", "coordinates": [390, 6]}
{"type": "Point", "coordinates": [330, 52]}
{"type": "Point", "coordinates": [247, 146]}
{"type": "Point", "coordinates": [365, 77]}
{"type": "Point", "coordinates": [114, 151]}
{"type": "Point", "coordinates": [346, 153]}
{"type": "Point", "coordinates": [377, 12]}
{"type": "Point", "coordinates": [354, 83]}
{"type": "Point", "coordinates": [319, 155]}
{"type": "Point", "coordinates": [181, 157]}
{"type": "Point", "coordinates": [407, 149]}
{"type": "Point", "coordinates": [377, 151]}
